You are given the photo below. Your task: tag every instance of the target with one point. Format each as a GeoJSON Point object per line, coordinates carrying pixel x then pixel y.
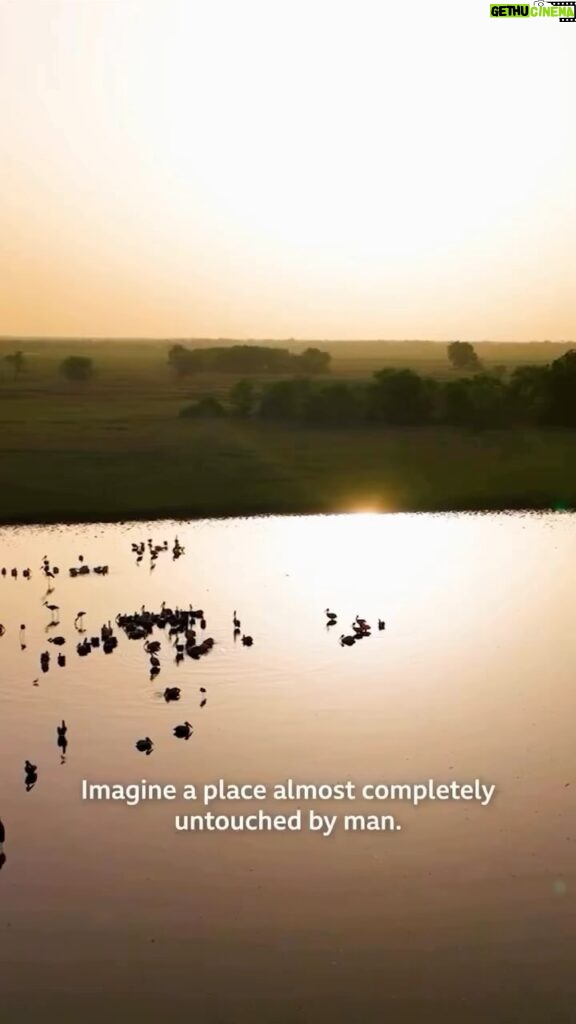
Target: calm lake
{"type": "Point", "coordinates": [465, 915]}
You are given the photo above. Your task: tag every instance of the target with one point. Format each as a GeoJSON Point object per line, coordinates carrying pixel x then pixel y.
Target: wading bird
{"type": "Point", "coordinates": [347, 641]}
{"type": "Point", "coordinates": [183, 732]}
{"type": "Point", "coordinates": [145, 746]}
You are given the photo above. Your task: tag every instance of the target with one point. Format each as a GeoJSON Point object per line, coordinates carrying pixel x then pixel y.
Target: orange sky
{"type": "Point", "coordinates": [285, 168]}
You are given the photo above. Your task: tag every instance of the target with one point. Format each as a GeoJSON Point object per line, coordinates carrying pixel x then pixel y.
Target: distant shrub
{"type": "Point", "coordinates": [17, 360]}
{"type": "Point", "coordinates": [242, 397]}
{"type": "Point", "coordinates": [77, 368]}
{"type": "Point", "coordinates": [463, 356]}
{"type": "Point", "coordinates": [205, 408]}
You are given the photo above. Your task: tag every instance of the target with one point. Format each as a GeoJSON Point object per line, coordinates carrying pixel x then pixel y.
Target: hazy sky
{"type": "Point", "coordinates": [286, 168]}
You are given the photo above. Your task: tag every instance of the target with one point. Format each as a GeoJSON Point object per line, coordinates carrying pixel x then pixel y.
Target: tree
{"type": "Point", "coordinates": [178, 358]}
{"type": "Point", "coordinates": [480, 401]}
{"type": "Point", "coordinates": [313, 360]}
{"type": "Point", "coordinates": [77, 368]}
{"type": "Point", "coordinates": [206, 408]}
{"type": "Point", "coordinates": [17, 360]}
{"type": "Point", "coordinates": [285, 399]}
{"type": "Point", "coordinates": [243, 397]}
{"type": "Point", "coordinates": [335, 404]}
{"type": "Point", "coordinates": [528, 394]}
{"type": "Point", "coordinates": [463, 356]}
{"type": "Point", "coordinates": [400, 397]}
{"type": "Point", "coordinates": [561, 388]}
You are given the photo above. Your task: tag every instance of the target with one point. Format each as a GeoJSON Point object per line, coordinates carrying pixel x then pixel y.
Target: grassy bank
{"type": "Point", "coordinates": [116, 449]}
{"type": "Point", "coordinates": [64, 462]}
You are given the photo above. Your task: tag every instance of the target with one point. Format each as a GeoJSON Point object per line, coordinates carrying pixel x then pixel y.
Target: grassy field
{"type": "Point", "coordinates": [116, 449]}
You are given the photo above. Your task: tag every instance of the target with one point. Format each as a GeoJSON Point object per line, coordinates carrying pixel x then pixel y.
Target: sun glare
{"type": "Point", "coordinates": [297, 170]}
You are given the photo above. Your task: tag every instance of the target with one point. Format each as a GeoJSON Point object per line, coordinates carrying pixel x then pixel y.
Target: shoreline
{"type": "Point", "coordinates": [511, 507]}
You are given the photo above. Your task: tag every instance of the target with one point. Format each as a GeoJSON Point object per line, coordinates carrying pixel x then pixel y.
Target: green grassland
{"type": "Point", "coordinates": [115, 447]}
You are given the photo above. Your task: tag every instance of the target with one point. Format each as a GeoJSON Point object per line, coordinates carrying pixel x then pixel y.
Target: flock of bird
{"type": "Point", "coordinates": [154, 550]}
{"type": "Point", "coordinates": [360, 628]}
{"type": "Point", "coordinates": [184, 631]}
{"type": "Point", "coordinates": [181, 626]}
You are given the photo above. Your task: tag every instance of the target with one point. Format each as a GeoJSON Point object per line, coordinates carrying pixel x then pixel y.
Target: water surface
{"type": "Point", "coordinates": [465, 915]}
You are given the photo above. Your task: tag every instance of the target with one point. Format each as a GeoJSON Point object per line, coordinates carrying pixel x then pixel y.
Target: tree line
{"type": "Point", "coordinates": [256, 359]}
{"type": "Point", "coordinates": [530, 395]}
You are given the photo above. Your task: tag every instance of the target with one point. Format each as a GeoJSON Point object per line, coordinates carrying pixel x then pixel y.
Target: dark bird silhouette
{"type": "Point", "coordinates": [58, 640]}
{"type": "Point", "coordinates": [61, 660]}
{"type": "Point", "coordinates": [62, 729]}
{"type": "Point", "coordinates": [171, 693]}
{"type": "Point", "coordinates": [145, 746]}
{"type": "Point", "coordinates": [203, 702]}
{"type": "Point", "coordinates": [347, 641]}
{"type": "Point", "coordinates": [30, 775]}
{"type": "Point", "coordinates": [331, 616]}
{"type": "Point", "coordinates": [236, 621]}
{"type": "Point", "coordinates": [2, 833]}
{"type": "Point", "coordinates": [183, 732]}
{"type": "Point", "coordinates": [247, 641]}
{"type": "Point", "coordinates": [381, 624]}
{"type": "Point", "coordinates": [62, 742]}
{"type": "Point", "coordinates": [202, 689]}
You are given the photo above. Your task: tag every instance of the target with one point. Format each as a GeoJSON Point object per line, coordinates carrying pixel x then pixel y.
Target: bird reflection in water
{"type": "Point", "coordinates": [2, 840]}
{"type": "Point", "coordinates": [62, 740]}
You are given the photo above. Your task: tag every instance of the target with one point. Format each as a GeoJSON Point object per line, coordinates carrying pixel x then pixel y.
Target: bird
{"type": "Point", "coordinates": [247, 641]}
{"type": "Point", "coordinates": [79, 615]}
{"type": "Point", "coordinates": [183, 732]}
{"type": "Point", "coordinates": [347, 641]}
{"type": "Point", "coordinates": [2, 833]}
{"type": "Point", "coordinates": [172, 693]}
{"type": "Point", "coordinates": [331, 615]}
{"type": "Point", "coordinates": [62, 729]}
{"type": "Point", "coordinates": [58, 640]}
{"type": "Point", "coordinates": [236, 621]}
{"type": "Point", "coordinates": [202, 689]}
{"type": "Point", "coordinates": [203, 702]}
{"type": "Point", "coordinates": [145, 746]}
{"type": "Point", "coordinates": [30, 775]}
{"type": "Point", "coordinates": [381, 624]}
{"type": "Point", "coordinates": [52, 607]}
